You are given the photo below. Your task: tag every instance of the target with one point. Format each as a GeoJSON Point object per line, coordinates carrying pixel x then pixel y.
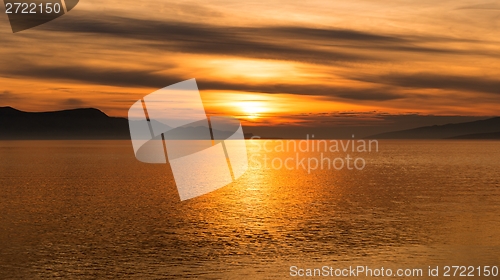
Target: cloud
{"type": "Point", "coordinates": [207, 39]}
{"type": "Point", "coordinates": [151, 79]}
{"type": "Point", "coordinates": [75, 102]}
{"type": "Point", "coordinates": [439, 81]}
{"type": "Point", "coordinates": [105, 49]}
{"type": "Point", "coordinates": [304, 44]}
{"type": "Point", "coordinates": [484, 6]}
{"type": "Point", "coordinates": [324, 46]}
{"type": "Point", "coordinates": [115, 77]}
{"type": "Point", "coordinates": [7, 96]}
{"type": "Point", "coordinates": [373, 94]}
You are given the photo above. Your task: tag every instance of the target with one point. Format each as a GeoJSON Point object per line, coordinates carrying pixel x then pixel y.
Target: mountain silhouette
{"type": "Point", "coordinates": [93, 124]}
{"type": "Point", "coordinates": [76, 124]}
{"type": "Point", "coordinates": [82, 124]}
{"type": "Point", "coordinates": [493, 135]}
{"type": "Point", "coordinates": [482, 129]}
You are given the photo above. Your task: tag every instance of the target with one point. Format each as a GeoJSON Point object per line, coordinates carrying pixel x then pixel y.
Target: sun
{"type": "Point", "coordinates": [252, 109]}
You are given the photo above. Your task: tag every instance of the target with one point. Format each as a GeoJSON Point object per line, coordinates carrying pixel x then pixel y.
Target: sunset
{"type": "Point", "coordinates": [249, 139]}
{"type": "Point", "coordinates": [389, 57]}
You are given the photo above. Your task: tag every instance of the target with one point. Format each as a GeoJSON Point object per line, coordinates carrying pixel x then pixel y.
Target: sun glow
{"type": "Point", "coordinates": [251, 69]}
{"type": "Point", "coordinates": [252, 109]}
{"type": "Point", "coordinates": [270, 109]}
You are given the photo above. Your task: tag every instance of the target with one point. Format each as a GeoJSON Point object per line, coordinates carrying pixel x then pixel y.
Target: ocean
{"type": "Point", "coordinates": [90, 210]}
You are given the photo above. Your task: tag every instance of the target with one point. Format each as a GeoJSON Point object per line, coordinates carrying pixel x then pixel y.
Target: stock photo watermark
{"type": "Point", "coordinates": [365, 271]}
{"type": "Point", "coordinates": [26, 14]}
{"type": "Point", "coordinates": [170, 125]}
{"type": "Point", "coordinates": [310, 154]}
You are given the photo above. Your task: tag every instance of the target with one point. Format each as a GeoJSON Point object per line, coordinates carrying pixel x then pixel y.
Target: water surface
{"type": "Point", "coordinates": [89, 209]}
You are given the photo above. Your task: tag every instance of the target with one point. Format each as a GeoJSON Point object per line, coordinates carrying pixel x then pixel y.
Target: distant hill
{"type": "Point", "coordinates": [82, 124]}
{"type": "Point", "coordinates": [93, 124]}
{"type": "Point", "coordinates": [68, 124]}
{"type": "Point", "coordinates": [482, 129]}
{"type": "Point", "coordinates": [493, 135]}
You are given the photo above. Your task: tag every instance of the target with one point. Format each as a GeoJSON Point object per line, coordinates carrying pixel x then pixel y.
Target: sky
{"type": "Point", "coordinates": [290, 65]}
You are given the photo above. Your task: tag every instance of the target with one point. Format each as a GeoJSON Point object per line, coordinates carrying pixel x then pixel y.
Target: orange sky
{"type": "Point", "coordinates": [267, 62]}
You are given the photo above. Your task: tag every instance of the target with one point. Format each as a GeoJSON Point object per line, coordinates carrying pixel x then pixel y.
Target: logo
{"type": "Point", "coordinates": [205, 154]}
{"type": "Point", "coordinates": [26, 14]}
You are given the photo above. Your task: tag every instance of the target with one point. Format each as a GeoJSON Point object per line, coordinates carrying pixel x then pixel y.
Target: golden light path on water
{"type": "Point", "coordinates": [91, 210]}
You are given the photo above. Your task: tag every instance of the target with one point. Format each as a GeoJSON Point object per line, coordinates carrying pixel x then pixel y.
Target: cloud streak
{"type": "Point", "coordinates": [136, 78]}
{"type": "Point", "coordinates": [439, 81]}
{"type": "Point", "coordinates": [484, 6]}
{"type": "Point", "coordinates": [412, 57]}
{"type": "Point", "coordinates": [314, 45]}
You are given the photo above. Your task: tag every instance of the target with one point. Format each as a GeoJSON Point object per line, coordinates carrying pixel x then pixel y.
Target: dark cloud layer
{"type": "Point", "coordinates": [381, 92]}
{"type": "Point", "coordinates": [217, 40]}
{"type": "Point", "coordinates": [483, 6]}
{"type": "Point", "coordinates": [439, 81]}
{"type": "Point", "coordinates": [316, 45]}
{"type": "Point", "coordinates": [325, 46]}
{"type": "Point", "coordinates": [7, 96]}
{"type": "Point", "coordinates": [75, 102]}
{"type": "Point", "coordinates": [135, 78]}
